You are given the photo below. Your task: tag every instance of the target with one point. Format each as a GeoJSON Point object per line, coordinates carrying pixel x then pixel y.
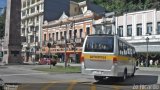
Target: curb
{"type": "Point", "coordinates": [149, 68]}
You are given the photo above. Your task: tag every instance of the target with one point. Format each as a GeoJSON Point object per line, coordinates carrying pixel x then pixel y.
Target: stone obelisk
{"type": "Point", "coordinates": [12, 40]}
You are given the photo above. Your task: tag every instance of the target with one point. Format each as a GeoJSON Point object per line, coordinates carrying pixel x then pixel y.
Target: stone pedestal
{"type": "Point", "coordinates": [12, 40]}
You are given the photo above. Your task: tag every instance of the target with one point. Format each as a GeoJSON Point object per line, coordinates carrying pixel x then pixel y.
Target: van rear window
{"type": "Point", "coordinates": [99, 44]}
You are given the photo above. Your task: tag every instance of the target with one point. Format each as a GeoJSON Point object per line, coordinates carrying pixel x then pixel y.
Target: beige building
{"type": "Point", "coordinates": [75, 27]}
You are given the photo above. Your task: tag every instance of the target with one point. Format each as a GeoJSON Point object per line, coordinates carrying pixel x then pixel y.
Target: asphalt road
{"type": "Point", "coordinates": [22, 77]}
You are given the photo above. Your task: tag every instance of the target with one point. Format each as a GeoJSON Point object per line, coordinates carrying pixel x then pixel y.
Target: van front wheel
{"type": "Point", "coordinates": [134, 70]}
{"type": "Point", "coordinates": [124, 77]}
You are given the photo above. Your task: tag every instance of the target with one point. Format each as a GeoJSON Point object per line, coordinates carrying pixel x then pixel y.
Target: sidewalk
{"type": "Point", "coordinates": [71, 64]}
{"type": "Point", "coordinates": [59, 64]}
{"type": "Point", "coordinates": [149, 68]}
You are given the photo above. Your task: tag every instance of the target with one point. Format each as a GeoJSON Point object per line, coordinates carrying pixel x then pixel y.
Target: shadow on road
{"type": "Point", "coordinates": [136, 80]}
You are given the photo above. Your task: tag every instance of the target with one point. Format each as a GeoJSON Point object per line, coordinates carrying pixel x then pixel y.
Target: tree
{"type": "Point", "coordinates": [2, 25]}
{"type": "Point", "coordinates": [147, 4]}
{"type": "Point", "coordinates": [122, 6]}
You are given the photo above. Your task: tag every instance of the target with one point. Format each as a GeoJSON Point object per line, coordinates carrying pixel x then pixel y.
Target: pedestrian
{"type": "Point", "coordinates": [156, 62]}
{"type": "Point", "coordinates": [151, 62]}
{"type": "Point", "coordinates": [141, 63]}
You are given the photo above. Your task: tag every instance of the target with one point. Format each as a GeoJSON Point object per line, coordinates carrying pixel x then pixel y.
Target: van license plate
{"type": "Point", "coordinates": [97, 72]}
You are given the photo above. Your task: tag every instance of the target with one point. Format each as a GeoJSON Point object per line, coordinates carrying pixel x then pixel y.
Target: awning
{"type": "Point", "coordinates": [151, 48]}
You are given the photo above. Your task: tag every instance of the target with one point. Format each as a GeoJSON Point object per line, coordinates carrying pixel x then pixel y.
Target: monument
{"type": "Point", "coordinates": [12, 39]}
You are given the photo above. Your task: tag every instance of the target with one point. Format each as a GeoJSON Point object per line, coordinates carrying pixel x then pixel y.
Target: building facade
{"type": "Point", "coordinates": [142, 29]}
{"type": "Point", "coordinates": [33, 15]}
{"type": "Point", "coordinates": [70, 29]}
{"type": "Point", "coordinates": [31, 23]}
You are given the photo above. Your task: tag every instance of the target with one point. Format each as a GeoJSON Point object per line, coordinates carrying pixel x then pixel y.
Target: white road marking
{"type": "Point", "coordinates": [158, 81]}
{"type": "Point", "coordinates": [22, 74]}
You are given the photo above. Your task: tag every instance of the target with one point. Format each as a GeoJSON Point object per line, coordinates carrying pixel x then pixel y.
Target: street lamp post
{"type": "Point", "coordinates": [147, 61]}
{"type": "Point", "coordinates": [65, 49]}
{"type": "Point", "coordinates": [74, 39]}
{"type": "Point", "coordinates": [35, 45]}
{"type": "Point", "coordinates": [34, 31]}
{"type": "Point", "coordinates": [49, 52]}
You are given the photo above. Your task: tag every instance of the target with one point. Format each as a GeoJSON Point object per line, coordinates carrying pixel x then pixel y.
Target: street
{"type": "Point", "coordinates": [28, 79]}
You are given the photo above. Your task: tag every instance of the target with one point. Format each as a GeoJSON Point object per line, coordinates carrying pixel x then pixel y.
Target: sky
{"type": "Point", "coordinates": [2, 5]}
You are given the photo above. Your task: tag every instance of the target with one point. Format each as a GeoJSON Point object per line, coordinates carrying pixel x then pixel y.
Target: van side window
{"type": "Point", "coordinates": [120, 46]}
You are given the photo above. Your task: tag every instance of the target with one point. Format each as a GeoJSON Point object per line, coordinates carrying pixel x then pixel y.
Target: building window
{"type": "Point", "coordinates": [23, 31]}
{"type": "Point", "coordinates": [80, 33]}
{"type": "Point", "coordinates": [158, 28]}
{"type": "Point", "coordinates": [44, 37]}
{"type": "Point", "coordinates": [70, 33]}
{"type": "Point", "coordinates": [37, 19]}
{"type": "Point", "coordinates": [24, 4]}
{"type": "Point", "coordinates": [149, 28]}
{"type": "Point", "coordinates": [52, 36]}
{"type": "Point", "coordinates": [27, 11]}
{"type": "Point", "coordinates": [65, 33]}
{"type": "Point", "coordinates": [88, 31]}
{"type": "Point", "coordinates": [75, 33]}
{"type": "Point", "coordinates": [108, 29]}
{"type": "Point", "coordinates": [28, 2]}
{"type": "Point", "coordinates": [36, 39]}
{"type": "Point", "coordinates": [33, 1]}
{"type": "Point", "coordinates": [42, 6]}
{"type": "Point", "coordinates": [56, 35]}
{"type": "Point", "coordinates": [120, 31]}
{"type": "Point", "coordinates": [32, 9]}
{"type": "Point", "coordinates": [61, 35]}
{"type": "Point", "coordinates": [37, 28]}
{"type": "Point", "coordinates": [129, 30]}
{"type": "Point", "coordinates": [37, 8]}
{"type": "Point", "coordinates": [75, 9]}
{"type": "Point", "coordinates": [49, 37]}
{"type": "Point", "coordinates": [139, 29]}
{"type": "Point", "coordinates": [23, 13]}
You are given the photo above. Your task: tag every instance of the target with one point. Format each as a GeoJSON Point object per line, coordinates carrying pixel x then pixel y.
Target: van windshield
{"type": "Point", "coordinates": [99, 44]}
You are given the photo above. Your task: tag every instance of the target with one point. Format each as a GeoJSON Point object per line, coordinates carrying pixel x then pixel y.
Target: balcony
{"type": "Point", "coordinates": [71, 40]}
{"type": "Point", "coordinates": [23, 39]}
{"type": "Point", "coordinates": [31, 33]}
{"type": "Point", "coordinates": [60, 42]}
{"type": "Point", "coordinates": [79, 40]}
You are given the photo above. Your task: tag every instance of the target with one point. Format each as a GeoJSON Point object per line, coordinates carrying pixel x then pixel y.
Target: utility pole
{"type": "Point", "coordinates": [74, 43]}
{"type": "Point", "coordinates": [49, 53]}
{"type": "Point", "coordinates": [147, 61]}
{"type": "Point", "coordinates": [34, 32]}
{"type": "Point", "coordinates": [35, 44]}
{"type": "Point", "coordinates": [65, 46]}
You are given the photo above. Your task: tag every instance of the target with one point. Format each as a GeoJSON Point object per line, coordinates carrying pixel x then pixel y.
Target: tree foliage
{"type": "Point", "coordinates": [123, 6]}
{"type": "Point", "coordinates": [2, 25]}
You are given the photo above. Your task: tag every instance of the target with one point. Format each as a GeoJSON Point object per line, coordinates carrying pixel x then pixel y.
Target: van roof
{"type": "Point", "coordinates": [101, 35]}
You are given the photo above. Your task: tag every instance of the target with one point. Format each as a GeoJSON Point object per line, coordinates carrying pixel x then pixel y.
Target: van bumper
{"type": "Point", "coordinates": [101, 72]}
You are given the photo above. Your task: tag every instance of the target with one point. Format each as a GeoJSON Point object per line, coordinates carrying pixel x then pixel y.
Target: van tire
{"type": "Point", "coordinates": [124, 77]}
{"type": "Point", "coordinates": [132, 75]}
{"type": "Point", "coordinates": [99, 78]}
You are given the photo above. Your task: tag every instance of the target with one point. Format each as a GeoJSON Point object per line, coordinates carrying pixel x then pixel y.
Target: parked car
{"type": "Point", "coordinates": [48, 61]}
{"type": "Point", "coordinates": [2, 84]}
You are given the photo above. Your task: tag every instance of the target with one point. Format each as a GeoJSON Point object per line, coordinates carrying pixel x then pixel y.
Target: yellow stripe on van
{"type": "Point", "coordinates": [106, 57]}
